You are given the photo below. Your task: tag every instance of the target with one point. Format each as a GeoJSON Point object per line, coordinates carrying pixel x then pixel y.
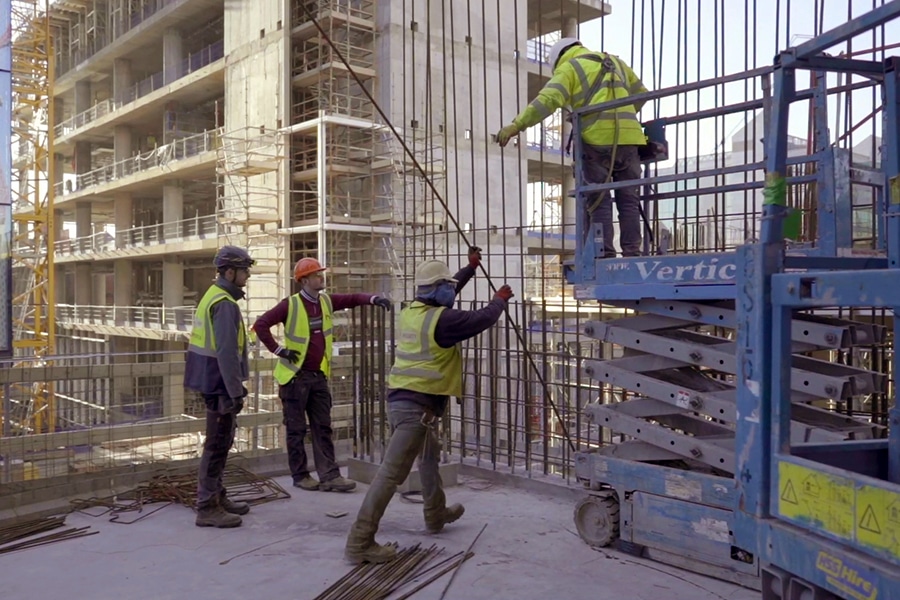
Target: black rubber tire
{"type": "Point", "coordinates": [597, 520]}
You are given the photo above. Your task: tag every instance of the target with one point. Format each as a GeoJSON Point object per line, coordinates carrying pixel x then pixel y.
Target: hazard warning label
{"type": "Point", "coordinates": [878, 523]}
{"type": "Point", "coordinates": [821, 500]}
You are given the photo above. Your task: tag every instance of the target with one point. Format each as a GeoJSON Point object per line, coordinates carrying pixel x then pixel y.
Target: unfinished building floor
{"type": "Point", "coordinates": [291, 549]}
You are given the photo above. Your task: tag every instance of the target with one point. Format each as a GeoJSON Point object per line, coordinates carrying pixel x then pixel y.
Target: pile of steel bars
{"type": "Point", "coordinates": [11, 534]}
{"type": "Point", "coordinates": [376, 582]}
{"type": "Point", "coordinates": [171, 488]}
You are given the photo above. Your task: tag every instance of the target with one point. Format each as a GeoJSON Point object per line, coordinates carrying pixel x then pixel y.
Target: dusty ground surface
{"type": "Point", "coordinates": [290, 549]}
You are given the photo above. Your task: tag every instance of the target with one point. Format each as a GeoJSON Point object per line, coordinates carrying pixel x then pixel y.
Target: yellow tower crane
{"type": "Point", "coordinates": [32, 198]}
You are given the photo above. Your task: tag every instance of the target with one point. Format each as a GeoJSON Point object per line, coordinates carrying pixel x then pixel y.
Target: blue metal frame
{"type": "Point", "coordinates": [812, 511]}
{"type": "Point", "coordinates": [825, 525]}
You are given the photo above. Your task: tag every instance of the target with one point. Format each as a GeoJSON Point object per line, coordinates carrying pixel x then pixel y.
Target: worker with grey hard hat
{"type": "Point", "coordinates": [216, 367]}
{"type": "Point", "coordinates": [426, 371]}
{"type": "Point", "coordinates": [611, 138]}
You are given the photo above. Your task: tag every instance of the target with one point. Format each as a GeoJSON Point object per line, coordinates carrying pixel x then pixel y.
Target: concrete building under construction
{"type": "Point", "coordinates": [146, 134]}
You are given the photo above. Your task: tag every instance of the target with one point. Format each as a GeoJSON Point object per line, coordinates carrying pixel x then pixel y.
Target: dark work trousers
{"type": "Point", "coordinates": [219, 438]}
{"type": "Point", "coordinates": [595, 164]}
{"type": "Point", "coordinates": [307, 395]}
{"type": "Point", "coordinates": [410, 438]}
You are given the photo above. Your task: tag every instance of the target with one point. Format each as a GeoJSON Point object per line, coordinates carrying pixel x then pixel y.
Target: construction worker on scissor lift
{"type": "Point", "coordinates": [611, 139]}
{"type": "Point", "coordinates": [304, 369]}
{"type": "Point", "coordinates": [427, 370]}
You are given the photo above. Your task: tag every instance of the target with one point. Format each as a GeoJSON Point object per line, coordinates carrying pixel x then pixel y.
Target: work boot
{"type": "Point", "coordinates": [307, 483]}
{"type": "Point", "coordinates": [450, 514]}
{"type": "Point", "coordinates": [372, 553]}
{"type": "Point", "coordinates": [213, 515]}
{"type": "Point", "coordinates": [232, 507]}
{"type": "Point", "coordinates": [338, 484]}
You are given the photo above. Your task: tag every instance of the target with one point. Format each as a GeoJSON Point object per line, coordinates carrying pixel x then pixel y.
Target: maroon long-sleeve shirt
{"type": "Point", "coordinates": [316, 349]}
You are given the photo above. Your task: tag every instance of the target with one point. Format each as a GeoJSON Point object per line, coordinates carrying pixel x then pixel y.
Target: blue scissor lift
{"type": "Point", "coordinates": [728, 464]}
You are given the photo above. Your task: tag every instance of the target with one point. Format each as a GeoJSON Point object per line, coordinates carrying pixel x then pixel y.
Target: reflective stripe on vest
{"type": "Point", "coordinates": [420, 364]}
{"type": "Point", "coordinates": [297, 333]}
{"type": "Point", "coordinates": [203, 337]}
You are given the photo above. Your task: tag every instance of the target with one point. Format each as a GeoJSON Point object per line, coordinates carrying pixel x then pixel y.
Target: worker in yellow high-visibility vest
{"type": "Point", "coordinates": [611, 138]}
{"type": "Point", "coordinates": [216, 367]}
{"type": "Point", "coordinates": [427, 370]}
{"type": "Point", "coordinates": [304, 370]}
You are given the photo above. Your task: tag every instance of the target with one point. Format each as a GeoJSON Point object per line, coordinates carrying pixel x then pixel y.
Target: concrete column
{"type": "Point", "coordinates": [84, 224]}
{"type": "Point", "coordinates": [173, 282]}
{"type": "Point", "coordinates": [99, 284]}
{"type": "Point", "coordinates": [173, 386]}
{"type": "Point", "coordinates": [122, 79]}
{"type": "Point", "coordinates": [123, 215]}
{"type": "Point", "coordinates": [122, 142]}
{"type": "Point", "coordinates": [173, 269]}
{"type": "Point", "coordinates": [173, 203]}
{"type": "Point", "coordinates": [82, 158]}
{"type": "Point", "coordinates": [82, 96]}
{"type": "Point", "coordinates": [123, 294]}
{"type": "Point", "coordinates": [122, 148]}
{"type": "Point", "coordinates": [172, 55]}
{"type": "Point", "coordinates": [122, 387]}
{"type": "Point", "coordinates": [173, 210]}
{"type": "Point", "coordinates": [83, 281]}
{"type": "Point", "coordinates": [84, 288]}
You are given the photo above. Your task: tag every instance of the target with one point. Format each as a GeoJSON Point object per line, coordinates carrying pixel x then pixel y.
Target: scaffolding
{"type": "Point", "coordinates": [248, 170]}
{"type": "Point", "coordinates": [32, 77]}
{"type": "Point", "coordinates": [334, 205]}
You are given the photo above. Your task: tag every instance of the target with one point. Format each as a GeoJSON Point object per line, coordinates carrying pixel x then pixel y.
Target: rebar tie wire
{"type": "Point", "coordinates": [440, 198]}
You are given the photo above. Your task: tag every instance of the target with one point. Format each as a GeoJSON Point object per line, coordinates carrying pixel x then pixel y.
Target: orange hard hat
{"type": "Point", "coordinates": [306, 266]}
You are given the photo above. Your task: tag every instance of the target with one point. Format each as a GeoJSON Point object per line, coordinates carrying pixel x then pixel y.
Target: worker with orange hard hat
{"type": "Point", "coordinates": [304, 369]}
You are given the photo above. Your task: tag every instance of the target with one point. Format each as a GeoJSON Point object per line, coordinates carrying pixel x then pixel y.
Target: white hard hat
{"type": "Point", "coordinates": [559, 47]}
{"type": "Point", "coordinates": [433, 271]}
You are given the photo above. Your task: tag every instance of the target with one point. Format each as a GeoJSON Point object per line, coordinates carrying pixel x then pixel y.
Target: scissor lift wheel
{"type": "Point", "coordinates": [597, 520]}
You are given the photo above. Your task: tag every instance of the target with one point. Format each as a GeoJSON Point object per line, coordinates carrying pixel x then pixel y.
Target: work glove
{"type": "Point", "coordinates": [288, 355]}
{"type": "Point", "coordinates": [474, 256]}
{"type": "Point", "coordinates": [383, 302]}
{"type": "Point", "coordinates": [504, 293]}
{"type": "Point", "coordinates": [506, 134]}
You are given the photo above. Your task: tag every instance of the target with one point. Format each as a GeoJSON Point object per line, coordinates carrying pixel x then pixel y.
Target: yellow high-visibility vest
{"type": "Point", "coordinates": [421, 365]}
{"type": "Point", "coordinates": [203, 336]}
{"type": "Point", "coordinates": [296, 337]}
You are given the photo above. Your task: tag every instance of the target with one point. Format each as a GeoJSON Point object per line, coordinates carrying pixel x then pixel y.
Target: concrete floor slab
{"type": "Point", "coordinates": [291, 549]}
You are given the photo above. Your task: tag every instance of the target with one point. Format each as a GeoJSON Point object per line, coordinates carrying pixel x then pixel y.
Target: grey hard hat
{"type": "Point", "coordinates": [232, 256]}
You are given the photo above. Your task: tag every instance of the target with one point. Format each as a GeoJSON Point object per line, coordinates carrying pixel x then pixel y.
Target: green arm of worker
{"type": "Point", "coordinates": [635, 86]}
{"type": "Point", "coordinates": [554, 95]}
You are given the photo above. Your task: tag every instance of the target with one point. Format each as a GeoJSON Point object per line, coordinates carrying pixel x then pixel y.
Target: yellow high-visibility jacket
{"type": "Point", "coordinates": [571, 80]}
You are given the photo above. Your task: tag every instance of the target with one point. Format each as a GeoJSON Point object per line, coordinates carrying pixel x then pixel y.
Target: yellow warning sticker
{"type": "Point", "coordinates": [821, 500]}
{"type": "Point", "coordinates": [878, 519]}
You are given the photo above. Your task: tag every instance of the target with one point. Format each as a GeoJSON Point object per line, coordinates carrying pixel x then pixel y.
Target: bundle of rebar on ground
{"type": "Point", "coordinates": [376, 582]}
{"type": "Point", "coordinates": [11, 535]}
{"type": "Point", "coordinates": [171, 488]}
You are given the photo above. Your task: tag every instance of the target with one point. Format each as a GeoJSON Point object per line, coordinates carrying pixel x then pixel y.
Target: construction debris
{"type": "Point", "coordinates": [378, 581]}
{"type": "Point", "coordinates": [25, 529]}
{"type": "Point", "coordinates": [168, 488]}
